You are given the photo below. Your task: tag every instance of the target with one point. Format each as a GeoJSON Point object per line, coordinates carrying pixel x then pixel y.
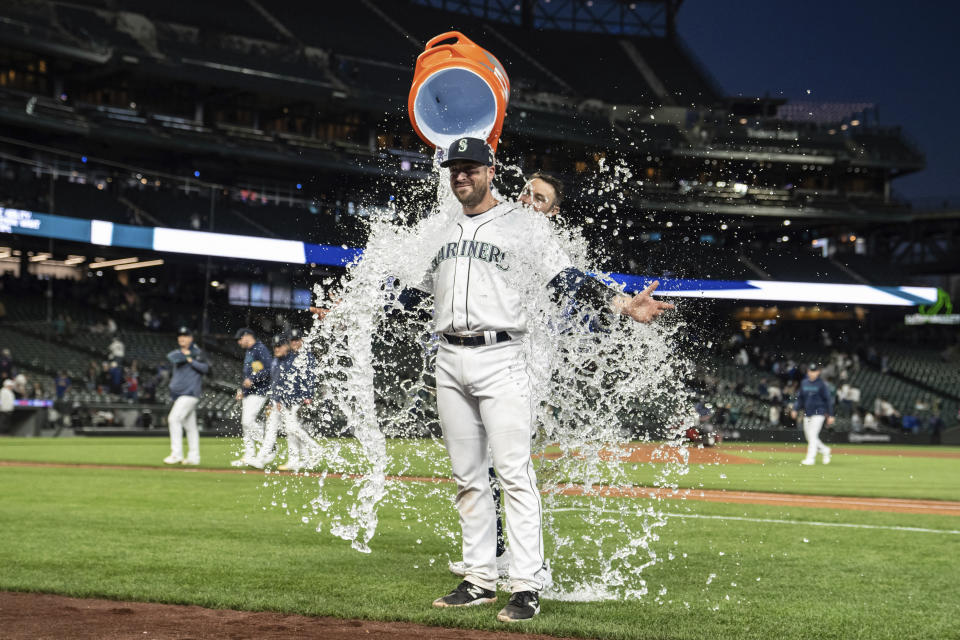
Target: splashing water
{"type": "Point", "coordinates": [587, 386]}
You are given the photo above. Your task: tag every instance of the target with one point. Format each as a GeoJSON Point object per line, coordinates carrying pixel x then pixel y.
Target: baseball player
{"type": "Point", "coordinates": [543, 193]}
{"type": "Point", "coordinates": [253, 392]}
{"type": "Point", "coordinates": [483, 397]}
{"type": "Point", "coordinates": [302, 378]}
{"type": "Point", "coordinates": [289, 390]}
{"type": "Point", "coordinates": [816, 402]}
{"type": "Point", "coordinates": [186, 386]}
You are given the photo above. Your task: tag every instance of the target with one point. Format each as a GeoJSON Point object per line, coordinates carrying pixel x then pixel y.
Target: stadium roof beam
{"type": "Point", "coordinates": [655, 18]}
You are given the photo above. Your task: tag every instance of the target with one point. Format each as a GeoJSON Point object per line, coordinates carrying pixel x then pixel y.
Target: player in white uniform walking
{"type": "Point", "coordinates": [253, 392]}
{"type": "Point", "coordinates": [483, 395]}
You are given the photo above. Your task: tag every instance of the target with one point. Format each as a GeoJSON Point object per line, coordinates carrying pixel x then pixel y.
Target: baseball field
{"type": "Point", "coordinates": [755, 546]}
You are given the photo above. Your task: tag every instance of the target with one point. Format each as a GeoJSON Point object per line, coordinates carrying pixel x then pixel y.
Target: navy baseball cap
{"type": "Point", "coordinates": [473, 149]}
{"type": "Point", "coordinates": [184, 331]}
{"type": "Point", "coordinates": [296, 334]}
{"type": "Point", "coordinates": [813, 367]}
{"type": "Point", "coordinates": [242, 332]}
{"type": "Point", "coordinates": [281, 339]}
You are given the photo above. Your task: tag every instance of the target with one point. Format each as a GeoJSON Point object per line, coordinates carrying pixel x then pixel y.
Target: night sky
{"type": "Point", "coordinates": [902, 56]}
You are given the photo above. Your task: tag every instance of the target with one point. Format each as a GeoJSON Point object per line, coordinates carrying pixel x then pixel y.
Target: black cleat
{"type": "Point", "coordinates": [523, 605]}
{"type": "Point", "coordinates": [466, 594]}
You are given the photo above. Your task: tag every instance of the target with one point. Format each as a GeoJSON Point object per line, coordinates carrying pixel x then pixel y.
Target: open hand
{"type": "Point", "coordinates": [641, 307]}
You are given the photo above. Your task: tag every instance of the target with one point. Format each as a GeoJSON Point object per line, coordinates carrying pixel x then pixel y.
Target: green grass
{"type": "Point", "coordinates": [849, 474]}
{"type": "Point", "coordinates": [215, 540]}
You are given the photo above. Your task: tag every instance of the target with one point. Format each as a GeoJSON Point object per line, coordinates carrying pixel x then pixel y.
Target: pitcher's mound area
{"type": "Point", "coordinates": [37, 616]}
{"type": "Point", "coordinates": [662, 453]}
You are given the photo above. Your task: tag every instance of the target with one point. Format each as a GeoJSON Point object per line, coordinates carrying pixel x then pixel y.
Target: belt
{"type": "Point", "coordinates": [474, 341]}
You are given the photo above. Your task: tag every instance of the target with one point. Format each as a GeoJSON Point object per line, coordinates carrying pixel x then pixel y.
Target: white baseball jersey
{"type": "Point", "coordinates": [472, 276]}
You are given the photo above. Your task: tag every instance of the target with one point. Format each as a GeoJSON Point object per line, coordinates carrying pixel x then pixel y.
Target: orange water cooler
{"type": "Point", "coordinates": [459, 89]}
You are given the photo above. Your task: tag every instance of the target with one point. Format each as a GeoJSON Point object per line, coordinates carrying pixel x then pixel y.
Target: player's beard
{"type": "Point", "coordinates": [475, 196]}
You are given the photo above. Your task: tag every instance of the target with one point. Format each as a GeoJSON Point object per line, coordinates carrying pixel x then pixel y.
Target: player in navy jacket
{"type": "Point", "coordinates": [292, 382]}
{"type": "Point", "coordinates": [253, 392]}
{"type": "Point", "coordinates": [189, 365]}
{"type": "Point", "coordinates": [815, 399]}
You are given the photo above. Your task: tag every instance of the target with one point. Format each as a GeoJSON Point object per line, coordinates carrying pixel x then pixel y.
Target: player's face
{"type": "Point", "coordinates": [813, 375]}
{"type": "Point", "coordinates": [184, 341]}
{"type": "Point", "coordinates": [541, 196]}
{"type": "Point", "coordinates": [470, 182]}
{"type": "Point", "coordinates": [245, 341]}
{"type": "Point", "coordinates": [281, 351]}
{"type": "Point", "coordinates": [296, 344]}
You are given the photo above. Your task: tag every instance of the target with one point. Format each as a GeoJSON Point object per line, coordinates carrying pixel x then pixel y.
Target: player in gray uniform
{"type": "Point", "coordinates": [186, 386]}
{"type": "Point", "coordinates": [483, 397]}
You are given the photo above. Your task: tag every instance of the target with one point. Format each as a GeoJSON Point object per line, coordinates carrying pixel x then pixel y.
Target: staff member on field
{"type": "Point", "coordinates": [186, 386]}
{"type": "Point", "coordinates": [816, 401]}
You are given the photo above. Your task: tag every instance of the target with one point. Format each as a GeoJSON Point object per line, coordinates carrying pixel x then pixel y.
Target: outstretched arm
{"type": "Point", "coordinates": [583, 288]}
{"type": "Point", "coordinates": [641, 307]}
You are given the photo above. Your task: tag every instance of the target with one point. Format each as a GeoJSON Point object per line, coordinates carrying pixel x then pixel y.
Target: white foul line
{"type": "Point", "coordinates": [812, 523]}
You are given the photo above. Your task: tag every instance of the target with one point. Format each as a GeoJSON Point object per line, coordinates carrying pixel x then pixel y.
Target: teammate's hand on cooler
{"type": "Point", "coordinates": [641, 307]}
{"type": "Point", "coordinates": [239, 395]}
{"type": "Point", "coordinates": [247, 383]}
{"type": "Point", "coordinates": [793, 415]}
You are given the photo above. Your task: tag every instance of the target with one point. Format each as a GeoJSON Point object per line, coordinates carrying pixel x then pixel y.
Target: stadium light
{"type": "Point", "coordinates": [112, 263]}
{"type": "Point", "coordinates": [138, 265]}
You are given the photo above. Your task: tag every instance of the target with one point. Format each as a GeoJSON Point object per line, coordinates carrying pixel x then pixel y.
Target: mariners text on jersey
{"type": "Point", "coordinates": [471, 249]}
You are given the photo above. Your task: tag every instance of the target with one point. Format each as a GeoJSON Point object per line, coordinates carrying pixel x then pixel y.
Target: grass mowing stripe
{"type": "Point", "coordinates": [814, 523]}
{"type": "Point", "coordinates": [214, 540]}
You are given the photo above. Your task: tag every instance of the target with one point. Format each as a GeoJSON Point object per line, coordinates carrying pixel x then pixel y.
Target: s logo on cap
{"type": "Point", "coordinates": [463, 145]}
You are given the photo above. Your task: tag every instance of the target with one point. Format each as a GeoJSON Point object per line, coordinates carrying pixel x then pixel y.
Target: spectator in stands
{"type": "Point", "coordinates": [186, 386]}
{"type": "Point", "coordinates": [111, 326]}
{"type": "Point", "coordinates": [843, 396]}
{"type": "Point", "coordinates": [856, 421]}
{"type": "Point", "coordinates": [7, 370]}
{"type": "Point", "coordinates": [253, 392]}
{"type": "Point", "coordinates": [116, 378]}
{"type": "Point", "coordinates": [116, 350]}
{"type": "Point", "coordinates": [59, 325]}
{"type": "Point", "coordinates": [935, 425]}
{"type": "Point", "coordinates": [92, 375]}
{"type": "Point", "coordinates": [61, 383]}
{"type": "Point", "coordinates": [774, 393]}
{"type": "Point", "coordinates": [887, 413]}
{"type": "Point", "coordinates": [21, 385]}
{"type": "Point", "coordinates": [870, 422]}
{"type": "Point", "coordinates": [909, 423]}
{"type": "Point", "coordinates": [854, 395]}
{"type": "Point", "coordinates": [131, 385]}
{"type": "Point", "coordinates": [762, 388]}
{"type": "Point", "coordinates": [7, 402]}
{"type": "Point", "coordinates": [742, 359]}
{"type": "Point", "coordinates": [774, 416]}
